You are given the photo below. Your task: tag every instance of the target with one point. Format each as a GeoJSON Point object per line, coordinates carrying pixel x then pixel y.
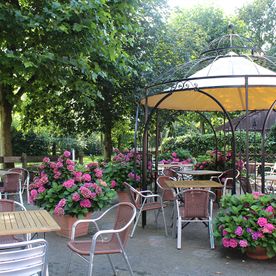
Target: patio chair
{"type": "Point", "coordinates": [144, 201]}
{"type": "Point", "coordinates": [7, 205]}
{"type": "Point", "coordinates": [111, 241]}
{"type": "Point", "coordinates": [24, 258]}
{"type": "Point", "coordinates": [12, 185]}
{"type": "Point", "coordinates": [25, 180]}
{"type": "Point", "coordinates": [162, 188]}
{"type": "Point", "coordinates": [245, 185]}
{"type": "Point", "coordinates": [194, 205]}
{"type": "Point", "coordinates": [170, 172]}
{"type": "Point", "coordinates": [226, 178]}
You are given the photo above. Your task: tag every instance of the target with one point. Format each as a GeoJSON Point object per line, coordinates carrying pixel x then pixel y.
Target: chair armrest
{"type": "Point", "coordinates": [74, 226]}
{"type": "Point", "coordinates": [146, 191]}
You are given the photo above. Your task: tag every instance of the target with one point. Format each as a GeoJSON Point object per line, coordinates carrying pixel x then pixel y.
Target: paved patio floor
{"type": "Point", "coordinates": [151, 253]}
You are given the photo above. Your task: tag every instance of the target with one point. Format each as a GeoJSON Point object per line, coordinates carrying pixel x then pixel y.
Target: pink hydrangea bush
{"type": "Point", "coordinates": [66, 188]}
{"type": "Point", "coordinates": [122, 169]}
{"type": "Point", "coordinates": [180, 156]}
{"type": "Point", "coordinates": [247, 221]}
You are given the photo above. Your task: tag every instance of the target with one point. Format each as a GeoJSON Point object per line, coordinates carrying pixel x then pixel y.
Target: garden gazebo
{"type": "Point", "coordinates": [231, 75]}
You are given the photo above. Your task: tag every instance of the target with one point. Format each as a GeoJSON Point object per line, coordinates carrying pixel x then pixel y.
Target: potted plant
{"type": "Point", "coordinates": [248, 222]}
{"type": "Point", "coordinates": [70, 191]}
{"type": "Point", "coordinates": [122, 169]}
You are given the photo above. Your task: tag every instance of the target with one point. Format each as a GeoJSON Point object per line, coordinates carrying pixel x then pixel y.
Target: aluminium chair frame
{"type": "Point", "coordinates": [23, 258]}
{"type": "Point", "coordinates": [144, 196]}
{"type": "Point", "coordinates": [19, 192]}
{"type": "Point", "coordinates": [100, 233]}
{"type": "Point", "coordinates": [179, 219]}
{"type": "Point", "coordinates": [26, 183]}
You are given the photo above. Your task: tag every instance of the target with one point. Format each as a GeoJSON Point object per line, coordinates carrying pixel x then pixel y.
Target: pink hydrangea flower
{"type": "Point", "coordinates": [67, 154]}
{"type": "Point", "coordinates": [103, 183]}
{"type": "Point", "coordinates": [224, 232]}
{"type": "Point", "coordinates": [256, 195]}
{"type": "Point", "coordinates": [262, 221]}
{"type": "Point", "coordinates": [86, 177]}
{"type": "Point", "coordinates": [226, 242]}
{"type": "Point", "coordinates": [238, 231]}
{"type": "Point", "coordinates": [59, 164]}
{"type": "Point", "coordinates": [59, 211]}
{"type": "Point", "coordinates": [69, 183]}
{"type": "Point", "coordinates": [53, 165]}
{"type": "Point", "coordinates": [233, 243]}
{"type": "Point", "coordinates": [75, 197]}
{"type": "Point", "coordinates": [268, 228]}
{"type": "Point", "coordinates": [174, 154]}
{"type": "Point", "coordinates": [113, 184]}
{"type": "Point", "coordinates": [62, 202]}
{"type": "Point", "coordinates": [44, 179]}
{"type": "Point", "coordinates": [85, 203]}
{"type": "Point", "coordinates": [57, 175]}
{"type": "Point", "coordinates": [46, 160]}
{"type": "Point", "coordinates": [270, 209]}
{"type": "Point", "coordinates": [33, 194]}
{"type": "Point", "coordinates": [243, 243]}
{"type": "Point", "coordinates": [85, 192]}
{"type": "Point", "coordinates": [98, 173]}
{"type": "Point", "coordinates": [41, 167]}
{"type": "Point", "coordinates": [98, 190]}
{"type": "Point", "coordinates": [70, 162]}
{"type": "Point", "coordinates": [41, 189]}
{"type": "Point", "coordinates": [70, 168]}
{"type": "Point", "coordinates": [78, 176]}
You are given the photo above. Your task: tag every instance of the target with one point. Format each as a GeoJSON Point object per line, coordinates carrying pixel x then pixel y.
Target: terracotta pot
{"type": "Point", "coordinates": [257, 253]}
{"type": "Point", "coordinates": [65, 222]}
{"type": "Point", "coordinates": [123, 196]}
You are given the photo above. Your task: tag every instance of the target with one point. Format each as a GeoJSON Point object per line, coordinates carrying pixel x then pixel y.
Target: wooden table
{"type": "Point", "coordinates": [24, 222]}
{"type": "Point", "coordinates": [200, 172]}
{"type": "Point", "coordinates": [186, 184]}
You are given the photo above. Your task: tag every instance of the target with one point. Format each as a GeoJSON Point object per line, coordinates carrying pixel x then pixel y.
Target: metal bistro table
{"type": "Point", "coordinates": [24, 222]}
{"type": "Point", "coordinates": [188, 184]}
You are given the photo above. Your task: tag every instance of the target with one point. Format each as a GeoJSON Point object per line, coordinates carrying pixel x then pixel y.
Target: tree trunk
{"type": "Point", "coordinates": [5, 123]}
{"type": "Point", "coordinates": [107, 145]}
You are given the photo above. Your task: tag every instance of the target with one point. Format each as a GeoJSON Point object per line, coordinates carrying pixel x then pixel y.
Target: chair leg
{"type": "Point", "coordinates": [179, 230]}
{"type": "Point", "coordinates": [211, 234]}
{"type": "Point", "coordinates": [136, 222]}
{"type": "Point", "coordinates": [127, 262]}
{"type": "Point", "coordinates": [91, 264]}
{"type": "Point", "coordinates": [165, 224]}
{"type": "Point", "coordinates": [111, 263]}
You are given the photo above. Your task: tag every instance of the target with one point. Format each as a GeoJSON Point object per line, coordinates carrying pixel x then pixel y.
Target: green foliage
{"type": "Point", "coordinates": [247, 221]}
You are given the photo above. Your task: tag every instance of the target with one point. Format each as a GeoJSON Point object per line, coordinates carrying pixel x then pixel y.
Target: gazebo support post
{"type": "Point", "coordinates": [247, 130]}
{"type": "Point", "coordinates": [233, 136]}
{"type": "Point", "coordinates": [263, 145]}
{"type": "Point", "coordinates": [145, 146]}
{"type": "Point", "coordinates": [157, 139]}
{"type": "Point", "coordinates": [135, 140]}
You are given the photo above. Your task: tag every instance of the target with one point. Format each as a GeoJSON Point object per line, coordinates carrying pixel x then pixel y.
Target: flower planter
{"type": "Point", "coordinates": [123, 196]}
{"type": "Point", "coordinates": [65, 222]}
{"type": "Point", "coordinates": [257, 253]}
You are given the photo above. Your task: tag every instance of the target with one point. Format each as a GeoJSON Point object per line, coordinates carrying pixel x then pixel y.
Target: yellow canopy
{"type": "Point", "coordinates": [224, 79]}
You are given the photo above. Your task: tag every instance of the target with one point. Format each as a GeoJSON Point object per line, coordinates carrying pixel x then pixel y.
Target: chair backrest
{"type": "Point", "coordinates": [23, 258]}
{"type": "Point", "coordinates": [167, 193]}
{"type": "Point", "coordinates": [7, 205]}
{"type": "Point", "coordinates": [170, 172]}
{"type": "Point", "coordinates": [134, 195]}
{"type": "Point", "coordinates": [228, 174]}
{"type": "Point", "coordinates": [245, 184]}
{"type": "Point", "coordinates": [196, 203]}
{"type": "Point", "coordinates": [125, 214]}
{"type": "Point", "coordinates": [12, 182]}
{"type": "Point", "coordinates": [24, 173]}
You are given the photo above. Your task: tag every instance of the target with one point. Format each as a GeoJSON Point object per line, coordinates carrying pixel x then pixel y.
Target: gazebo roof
{"type": "Point", "coordinates": [225, 79]}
